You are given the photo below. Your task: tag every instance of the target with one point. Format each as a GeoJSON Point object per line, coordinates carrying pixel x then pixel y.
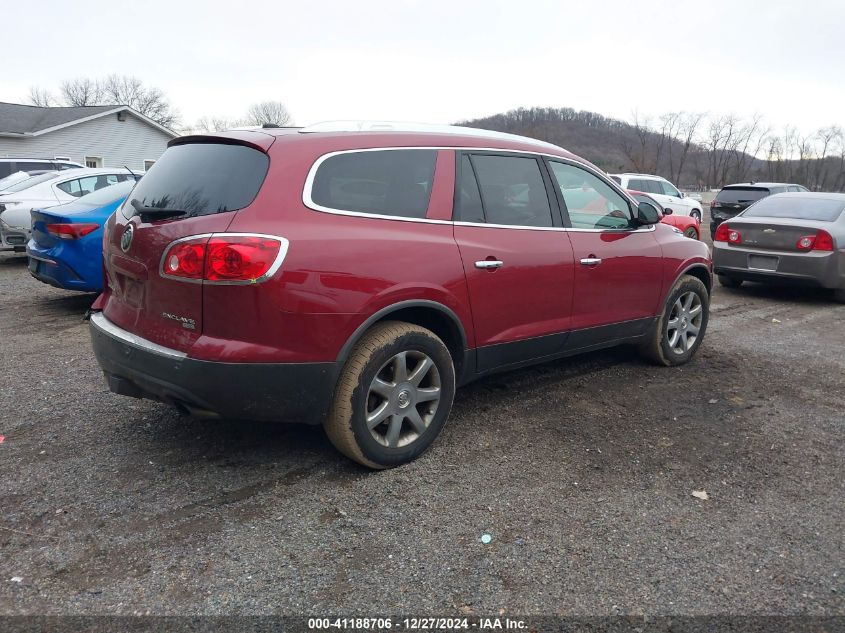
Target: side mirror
{"type": "Point", "coordinates": [667, 211]}
{"type": "Point", "coordinates": [682, 194]}
{"type": "Point", "coordinates": [647, 213]}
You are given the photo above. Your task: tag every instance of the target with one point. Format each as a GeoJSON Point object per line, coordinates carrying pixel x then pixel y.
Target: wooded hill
{"type": "Point", "coordinates": [693, 150]}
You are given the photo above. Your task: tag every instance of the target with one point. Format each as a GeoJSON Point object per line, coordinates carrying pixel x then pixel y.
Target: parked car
{"type": "Point", "coordinates": [66, 248]}
{"type": "Point", "coordinates": [48, 190]}
{"type": "Point", "coordinates": [786, 237]}
{"type": "Point", "coordinates": [733, 199]}
{"type": "Point", "coordinates": [353, 277]}
{"type": "Point", "coordinates": [684, 223]}
{"type": "Point", "coordinates": [663, 191]}
{"type": "Point", "coordinates": [11, 165]}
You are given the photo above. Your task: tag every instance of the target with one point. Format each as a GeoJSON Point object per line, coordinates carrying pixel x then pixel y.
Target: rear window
{"type": "Point", "coordinates": [107, 195]}
{"type": "Point", "coordinates": [383, 182]}
{"type": "Point", "coordinates": [733, 195]}
{"type": "Point", "coordinates": [797, 207]}
{"type": "Point", "coordinates": [202, 179]}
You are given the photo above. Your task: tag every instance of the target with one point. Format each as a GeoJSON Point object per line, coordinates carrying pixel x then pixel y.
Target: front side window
{"type": "Point", "coordinates": [667, 189]}
{"type": "Point", "coordinates": [34, 166]}
{"type": "Point", "coordinates": [591, 202]}
{"type": "Point", "coordinates": [381, 182]}
{"type": "Point", "coordinates": [512, 190]}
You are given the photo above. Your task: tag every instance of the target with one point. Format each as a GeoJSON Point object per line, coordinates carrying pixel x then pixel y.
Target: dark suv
{"type": "Point", "coordinates": [354, 278]}
{"type": "Point", "coordinates": [733, 199]}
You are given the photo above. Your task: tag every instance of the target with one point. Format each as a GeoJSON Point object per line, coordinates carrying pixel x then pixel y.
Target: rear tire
{"type": "Point", "coordinates": [691, 233]}
{"type": "Point", "coordinates": [729, 282]}
{"type": "Point", "coordinates": [839, 295]}
{"type": "Point", "coordinates": [393, 396]}
{"type": "Point", "coordinates": [677, 334]}
{"type": "Point", "coordinates": [697, 215]}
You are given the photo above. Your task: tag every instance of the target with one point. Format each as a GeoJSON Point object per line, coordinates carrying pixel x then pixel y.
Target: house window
{"type": "Point", "coordinates": [148, 163]}
{"type": "Point", "coordinates": [93, 161]}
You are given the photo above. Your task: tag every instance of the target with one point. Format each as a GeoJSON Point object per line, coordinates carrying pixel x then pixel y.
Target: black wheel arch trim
{"type": "Point", "coordinates": [703, 267]}
{"type": "Point", "coordinates": [396, 307]}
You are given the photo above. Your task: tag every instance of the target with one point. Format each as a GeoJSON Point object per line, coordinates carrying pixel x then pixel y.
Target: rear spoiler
{"type": "Point", "coordinates": [255, 140]}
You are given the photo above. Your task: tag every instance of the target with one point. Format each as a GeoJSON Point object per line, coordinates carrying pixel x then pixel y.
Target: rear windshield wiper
{"type": "Point", "coordinates": [155, 212]}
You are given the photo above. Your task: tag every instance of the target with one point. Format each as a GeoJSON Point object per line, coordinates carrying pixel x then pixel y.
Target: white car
{"type": "Point", "coordinates": [48, 190]}
{"type": "Point", "coordinates": [663, 191]}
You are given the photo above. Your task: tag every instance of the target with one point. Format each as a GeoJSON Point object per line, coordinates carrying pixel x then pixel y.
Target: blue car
{"type": "Point", "coordinates": [66, 249]}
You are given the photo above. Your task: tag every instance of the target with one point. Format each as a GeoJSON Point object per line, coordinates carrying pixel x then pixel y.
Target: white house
{"type": "Point", "coordinates": [95, 136]}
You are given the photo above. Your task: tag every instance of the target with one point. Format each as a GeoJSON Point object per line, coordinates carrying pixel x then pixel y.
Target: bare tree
{"type": "Point", "coordinates": [638, 152]}
{"type": "Point", "coordinates": [688, 129]}
{"type": "Point", "coordinates": [41, 97]}
{"type": "Point", "coordinates": [269, 112]}
{"type": "Point", "coordinates": [148, 100]}
{"type": "Point", "coordinates": [112, 90]}
{"type": "Point", "coordinates": [81, 92]}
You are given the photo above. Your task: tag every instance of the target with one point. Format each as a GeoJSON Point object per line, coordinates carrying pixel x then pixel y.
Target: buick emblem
{"type": "Point", "coordinates": [126, 238]}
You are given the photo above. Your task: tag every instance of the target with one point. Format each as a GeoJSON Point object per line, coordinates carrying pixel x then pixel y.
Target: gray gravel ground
{"type": "Point", "coordinates": [582, 471]}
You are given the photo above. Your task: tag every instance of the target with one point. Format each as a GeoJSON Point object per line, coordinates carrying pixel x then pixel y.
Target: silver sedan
{"type": "Point", "coordinates": [788, 237]}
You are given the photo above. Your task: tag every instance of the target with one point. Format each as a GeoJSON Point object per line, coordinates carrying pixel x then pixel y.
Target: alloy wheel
{"type": "Point", "coordinates": [684, 322]}
{"type": "Point", "coordinates": [403, 398]}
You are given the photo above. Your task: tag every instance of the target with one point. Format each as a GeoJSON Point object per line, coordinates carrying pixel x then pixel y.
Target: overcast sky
{"type": "Point", "coordinates": [443, 61]}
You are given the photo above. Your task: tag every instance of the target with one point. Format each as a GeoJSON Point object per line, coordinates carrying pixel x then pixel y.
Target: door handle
{"type": "Point", "coordinates": [591, 261]}
{"type": "Point", "coordinates": [489, 264]}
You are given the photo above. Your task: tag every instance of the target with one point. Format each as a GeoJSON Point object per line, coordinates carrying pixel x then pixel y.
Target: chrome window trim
{"type": "Point", "coordinates": [309, 183]}
{"type": "Point", "coordinates": [99, 321]}
{"type": "Point", "coordinates": [277, 263]}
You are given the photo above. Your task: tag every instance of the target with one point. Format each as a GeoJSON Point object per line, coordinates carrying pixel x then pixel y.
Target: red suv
{"type": "Point", "coordinates": [354, 277]}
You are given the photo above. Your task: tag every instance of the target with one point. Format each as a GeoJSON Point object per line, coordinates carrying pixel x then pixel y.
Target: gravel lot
{"type": "Point", "coordinates": [581, 471]}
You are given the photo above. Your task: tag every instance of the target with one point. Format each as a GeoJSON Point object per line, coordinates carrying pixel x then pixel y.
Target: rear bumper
{"type": "Point", "coordinates": [289, 392]}
{"type": "Point", "coordinates": [58, 273]}
{"type": "Point", "coordinates": [822, 269]}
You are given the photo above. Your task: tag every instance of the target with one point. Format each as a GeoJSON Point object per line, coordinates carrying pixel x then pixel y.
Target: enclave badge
{"type": "Point", "coordinates": [126, 238]}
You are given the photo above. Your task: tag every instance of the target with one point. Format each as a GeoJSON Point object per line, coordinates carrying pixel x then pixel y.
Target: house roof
{"type": "Point", "coordinates": [28, 120]}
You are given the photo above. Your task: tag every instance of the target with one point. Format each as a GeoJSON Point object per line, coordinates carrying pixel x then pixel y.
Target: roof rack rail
{"type": "Point", "coordinates": [425, 128]}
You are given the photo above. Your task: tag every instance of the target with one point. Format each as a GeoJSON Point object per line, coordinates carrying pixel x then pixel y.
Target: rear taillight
{"type": "Point", "coordinates": [724, 233]}
{"type": "Point", "coordinates": [71, 231]}
{"type": "Point", "coordinates": [714, 204]}
{"type": "Point", "coordinates": [224, 258]}
{"type": "Point", "coordinates": [821, 241]}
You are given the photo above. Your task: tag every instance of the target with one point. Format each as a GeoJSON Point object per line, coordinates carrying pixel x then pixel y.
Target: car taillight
{"type": "Point", "coordinates": [821, 241]}
{"type": "Point", "coordinates": [714, 203]}
{"type": "Point", "coordinates": [224, 258]}
{"type": "Point", "coordinates": [71, 231]}
{"type": "Point", "coordinates": [185, 259]}
{"type": "Point", "coordinates": [724, 233]}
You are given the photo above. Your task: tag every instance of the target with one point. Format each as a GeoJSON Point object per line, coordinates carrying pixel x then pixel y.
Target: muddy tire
{"type": "Point", "coordinates": [729, 282]}
{"type": "Point", "coordinates": [393, 396]}
{"type": "Point", "coordinates": [677, 334]}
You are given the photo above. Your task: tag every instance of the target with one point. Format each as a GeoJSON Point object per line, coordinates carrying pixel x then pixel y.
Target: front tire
{"type": "Point", "coordinates": [691, 233]}
{"type": "Point", "coordinates": [393, 396]}
{"type": "Point", "coordinates": [729, 282]}
{"type": "Point", "coordinates": [677, 334]}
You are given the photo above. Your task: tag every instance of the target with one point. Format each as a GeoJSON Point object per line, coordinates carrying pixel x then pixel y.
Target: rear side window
{"type": "Point", "coordinates": [469, 198]}
{"type": "Point", "coordinates": [31, 182]}
{"type": "Point", "coordinates": [381, 182]}
{"type": "Point", "coordinates": [734, 195]}
{"type": "Point", "coordinates": [797, 207]}
{"type": "Point", "coordinates": [84, 186]}
{"type": "Point", "coordinates": [512, 190]}
{"type": "Point", "coordinates": [202, 179]}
